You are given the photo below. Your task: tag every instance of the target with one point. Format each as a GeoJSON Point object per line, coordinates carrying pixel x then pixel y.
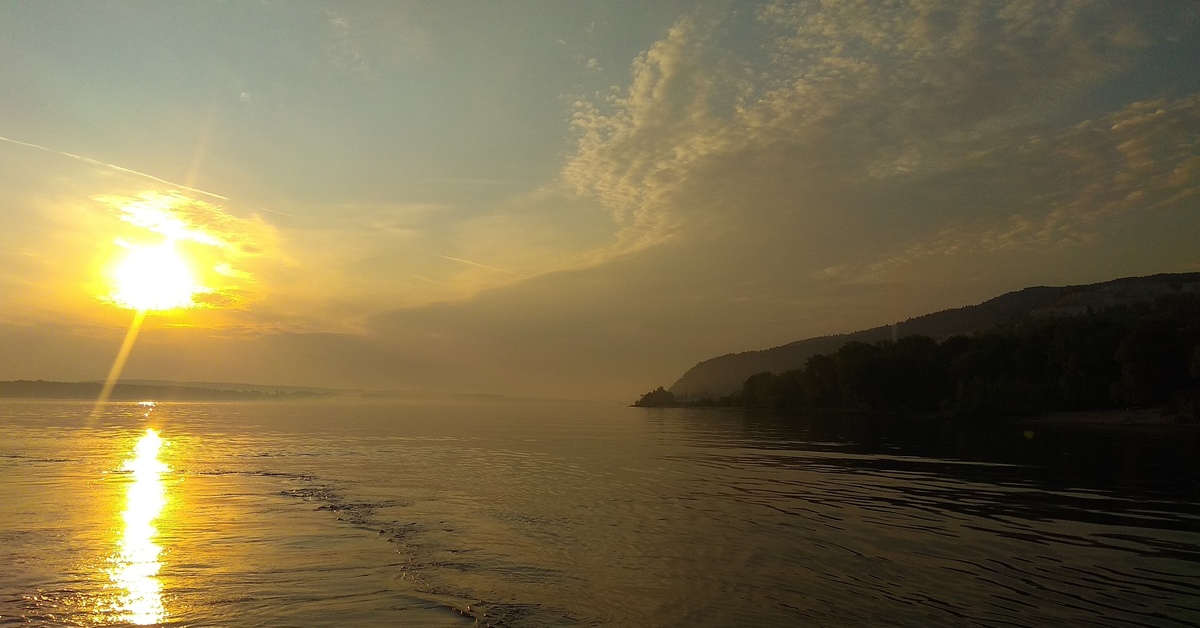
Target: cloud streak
{"type": "Point", "coordinates": [478, 265]}
{"type": "Point", "coordinates": [96, 162]}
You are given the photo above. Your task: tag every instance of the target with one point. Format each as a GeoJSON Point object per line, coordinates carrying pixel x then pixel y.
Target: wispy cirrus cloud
{"type": "Point", "coordinates": [1141, 158]}
{"type": "Point", "coordinates": [897, 106]}
{"type": "Point", "coordinates": [343, 46]}
{"type": "Point", "coordinates": [634, 148]}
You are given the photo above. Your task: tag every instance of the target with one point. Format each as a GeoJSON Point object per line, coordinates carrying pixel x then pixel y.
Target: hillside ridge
{"type": "Point", "coordinates": [724, 374]}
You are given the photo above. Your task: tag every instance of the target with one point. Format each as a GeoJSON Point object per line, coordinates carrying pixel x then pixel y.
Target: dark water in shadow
{"type": "Point", "coordinates": [576, 514]}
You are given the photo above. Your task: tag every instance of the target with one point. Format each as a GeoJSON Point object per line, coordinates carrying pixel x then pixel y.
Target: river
{"type": "Point", "coordinates": [430, 513]}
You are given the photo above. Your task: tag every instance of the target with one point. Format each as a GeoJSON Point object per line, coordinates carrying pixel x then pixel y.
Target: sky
{"type": "Point", "coordinates": [571, 199]}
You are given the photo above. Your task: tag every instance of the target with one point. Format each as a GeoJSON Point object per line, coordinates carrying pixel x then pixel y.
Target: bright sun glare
{"type": "Point", "coordinates": [136, 564]}
{"type": "Point", "coordinates": [154, 278]}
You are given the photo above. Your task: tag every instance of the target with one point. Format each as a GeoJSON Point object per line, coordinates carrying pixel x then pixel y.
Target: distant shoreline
{"type": "Point", "coordinates": [41, 389]}
{"type": "Point", "coordinates": [1143, 417]}
{"type": "Point", "coordinates": [1134, 417]}
{"type": "Point", "coordinates": [156, 390]}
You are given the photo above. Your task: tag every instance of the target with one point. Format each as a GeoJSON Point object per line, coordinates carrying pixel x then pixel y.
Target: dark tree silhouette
{"type": "Point", "coordinates": [1142, 354]}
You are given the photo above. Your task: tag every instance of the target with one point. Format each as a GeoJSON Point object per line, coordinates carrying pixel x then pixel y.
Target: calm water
{"type": "Point", "coordinates": [344, 513]}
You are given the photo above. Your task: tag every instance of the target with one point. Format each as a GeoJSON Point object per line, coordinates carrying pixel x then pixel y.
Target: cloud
{"type": "Point", "coordinates": [634, 148]}
{"type": "Point", "coordinates": [1142, 158]}
{"type": "Point", "coordinates": [343, 48]}
{"type": "Point", "coordinates": [479, 265]}
{"type": "Point", "coordinates": [181, 218]}
{"type": "Point", "coordinates": [96, 162]}
{"type": "Point", "coordinates": [67, 224]}
{"type": "Point", "coordinates": [938, 75]}
{"type": "Point", "coordinates": [223, 247]}
{"type": "Point", "coordinates": [862, 108]}
{"type": "Point", "coordinates": [854, 110]}
{"type": "Point", "coordinates": [758, 177]}
{"type": "Point", "coordinates": [748, 187]}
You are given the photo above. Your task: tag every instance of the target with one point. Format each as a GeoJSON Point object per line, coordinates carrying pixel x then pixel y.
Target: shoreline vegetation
{"type": "Point", "coordinates": [1131, 363]}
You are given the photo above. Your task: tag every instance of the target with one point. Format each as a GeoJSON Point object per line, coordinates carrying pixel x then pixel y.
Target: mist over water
{"type": "Point", "coordinates": [428, 514]}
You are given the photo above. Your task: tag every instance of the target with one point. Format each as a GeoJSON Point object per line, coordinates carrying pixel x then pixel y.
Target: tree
{"type": "Point", "coordinates": [819, 383]}
{"type": "Point", "coordinates": [1152, 363]}
{"type": "Point", "coordinates": [760, 390]}
{"type": "Point", "coordinates": [656, 398]}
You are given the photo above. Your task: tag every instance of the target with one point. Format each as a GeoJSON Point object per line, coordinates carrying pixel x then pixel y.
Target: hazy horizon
{"type": "Point", "coordinates": [571, 200]}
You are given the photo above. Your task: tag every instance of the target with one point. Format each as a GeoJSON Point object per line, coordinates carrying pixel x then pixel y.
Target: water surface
{"type": "Point", "coordinates": [435, 514]}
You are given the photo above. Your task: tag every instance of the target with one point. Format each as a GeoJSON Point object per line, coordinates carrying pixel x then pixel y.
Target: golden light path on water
{"type": "Point", "coordinates": [136, 564]}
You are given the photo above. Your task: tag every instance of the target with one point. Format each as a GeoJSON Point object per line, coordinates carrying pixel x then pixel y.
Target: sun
{"type": "Point", "coordinates": [154, 277]}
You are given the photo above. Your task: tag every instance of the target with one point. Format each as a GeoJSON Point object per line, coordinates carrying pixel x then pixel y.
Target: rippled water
{"type": "Point", "coordinates": [425, 514]}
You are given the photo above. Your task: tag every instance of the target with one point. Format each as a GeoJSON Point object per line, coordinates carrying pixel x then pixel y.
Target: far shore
{"type": "Point", "coordinates": [1140, 417]}
{"type": "Point", "coordinates": [1129, 417]}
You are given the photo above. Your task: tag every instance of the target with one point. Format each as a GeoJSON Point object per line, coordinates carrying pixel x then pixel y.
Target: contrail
{"type": "Point", "coordinates": [467, 261]}
{"type": "Point", "coordinates": [272, 211]}
{"type": "Point", "coordinates": [114, 167]}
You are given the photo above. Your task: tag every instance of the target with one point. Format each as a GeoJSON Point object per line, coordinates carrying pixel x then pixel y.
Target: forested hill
{"type": "Point", "coordinates": [726, 374]}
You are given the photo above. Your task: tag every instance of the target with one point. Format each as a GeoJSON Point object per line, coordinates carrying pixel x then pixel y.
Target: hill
{"type": "Point", "coordinates": [725, 374]}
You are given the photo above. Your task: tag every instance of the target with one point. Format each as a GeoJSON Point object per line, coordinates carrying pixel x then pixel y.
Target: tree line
{"type": "Point", "coordinates": [1137, 355]}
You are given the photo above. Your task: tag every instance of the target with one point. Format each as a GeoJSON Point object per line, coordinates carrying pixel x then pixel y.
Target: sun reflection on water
{"type": "Point", "coordinates": [136, 563]}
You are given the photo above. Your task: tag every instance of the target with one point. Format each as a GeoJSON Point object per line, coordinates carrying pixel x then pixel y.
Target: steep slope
{"type": "Point", "coordinates": [725, 374]}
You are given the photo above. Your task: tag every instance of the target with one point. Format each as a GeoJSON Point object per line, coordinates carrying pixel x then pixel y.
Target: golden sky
{"type": "Point", "coordinates": [570, 199]}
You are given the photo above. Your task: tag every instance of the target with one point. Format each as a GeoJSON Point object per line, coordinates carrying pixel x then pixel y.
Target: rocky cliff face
{"type": "Point", "coordinates": [725, 374]}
